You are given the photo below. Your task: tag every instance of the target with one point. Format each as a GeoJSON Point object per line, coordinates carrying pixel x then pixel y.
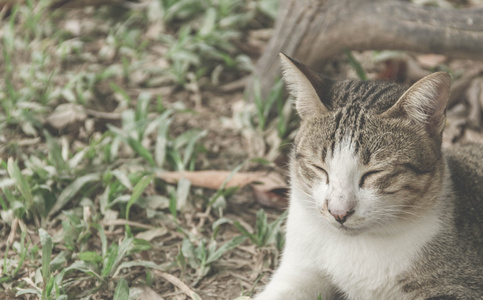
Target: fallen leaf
{"type": "Point", "coordinates": [270, 188]}
{"type": "Point", "coordinates": [474, 95]}
{"type": "Point", "coordinates": [149, 294]}
{"type": "Point", "coordinates": [430, 60]}
{"type": "Point", "coordinates": [73, 26]}
{"type": "Point", "coordinates": [277, 198]}
{"type": "Point", "coordinates": [472, 136]}
{"type": "Point", "coordinates": [455, 124]}
{"type": "Point", "coordinates": [272, 192]}
{"type": "Point", "coordinates": [461, 85]}
{"type": "Point", "coordinates": [66, 114]}
{"type": "Point", "coordinates": [394, 70]}
{"type": "Point", "coordinates": [151, 234]}
{"type": "Point", "coordinates": [179, 284]}
{"type": "Point", "coordinates": [210, 179]}
{"type": "Point", "coordinates": [414, 70]}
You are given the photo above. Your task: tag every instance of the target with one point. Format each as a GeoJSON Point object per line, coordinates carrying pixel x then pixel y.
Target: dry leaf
{"type": "Point", "coordinates": [178, 283]}
{"type": "Point", "coordinates": [414, 70]}
{"type": "Point", "coordinates": [270, 188]}
{"type": "Point", "coordinates": [394, 70]}
{"type": "Point", "coordinates": [455, 123]}
{"type": "Point", "coordinates": [151, 234]}
{"type": "Point", "coordinates": [460, 85]}
{"type": "Point", "coordinates": [474, 95]}
{"type": "Point", "coordinates": [210, 179]}
{"type": "Point", "coordinates": [273, 192]}
{"type": "Point", "coordinates": [149, 294]}
{"type": "Point", "coordinates": [472, 136]}
{"type": "Point", "coordinates": [430, 60]}
{"type": "Point", "coordinates": [66, 114]}
{"type": "Point", "coordinates": [73, 26]}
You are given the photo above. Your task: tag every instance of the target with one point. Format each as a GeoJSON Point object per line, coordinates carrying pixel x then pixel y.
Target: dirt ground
{"type": "Point", "coordinates": [227, 144]}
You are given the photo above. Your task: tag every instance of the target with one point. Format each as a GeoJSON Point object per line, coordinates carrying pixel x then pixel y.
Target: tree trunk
{"type": "Point", "coordinates": [313, 31]}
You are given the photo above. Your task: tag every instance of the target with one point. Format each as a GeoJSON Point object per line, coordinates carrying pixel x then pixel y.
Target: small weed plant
{"type": "Point", "coordinates": [90, 108]}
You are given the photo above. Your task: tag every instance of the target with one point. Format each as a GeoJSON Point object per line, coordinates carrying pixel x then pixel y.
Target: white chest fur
{"type": "Point", "coordinates": [363, 266]}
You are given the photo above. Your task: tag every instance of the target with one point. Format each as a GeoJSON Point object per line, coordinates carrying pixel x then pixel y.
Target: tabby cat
{"type": "Point", "coordinates": [377, 209]}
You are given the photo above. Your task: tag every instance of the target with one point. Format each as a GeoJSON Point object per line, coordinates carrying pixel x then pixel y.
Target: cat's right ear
{"type": "Point", "coordinates": [425, 102]}
{"type": "Point", "coordinates": [307, 88]}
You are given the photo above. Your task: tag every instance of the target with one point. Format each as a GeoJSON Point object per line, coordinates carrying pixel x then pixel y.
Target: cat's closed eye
{"type": "Point", "coordinates": [323, 171]}
{"type": "Point", "coordinates": [368, 176]}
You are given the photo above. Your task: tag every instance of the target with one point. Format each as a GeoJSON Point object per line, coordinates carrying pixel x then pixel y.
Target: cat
{"type": "Point", "coordinates": [377, 209]}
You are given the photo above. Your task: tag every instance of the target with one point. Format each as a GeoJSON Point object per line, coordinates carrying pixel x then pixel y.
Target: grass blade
{"type": "Point", "coordinates": [27, 291]}
{"type": "Point", "coordinates": [139, 263]}
{"type": "Point", "coordinates": [90, 256]}
{"type": "Point", "coordinates": [230, 245]}
{"type": "Point", "coordinates": [71, 190]}
{"type": "Point", "coordinates": [188, 152]}
{"type": "Point", "coordinates": [84, 267]}
{"type": "Point", "coordinates": [46, 242]}
{"type": "Point", "coordinates": [274, 227]}
{"type": "Point", "coordinates": [122, 251]}
{"type": "Point", "coordinates": [253, 238]}
{"type": "Point", "coordinates": [102, 236]}
{"type": "Point", "coordinates": [261, 226]}
{"type": "Point", "coordinates": [109, 261]}
{"type": "Point", "coordinates": [162, 139]}
{"type": "Point", "coordinates": [355, 65]}
{"type": "Point", "coordinates": [55, 153]}
{"type": "Point", "coordinates": [20, 180]}
{"type": "Point", "coordinates": [136, 193]}
{"type": "Point", "coordinates": [141, 150]}
{"type": "Point", "coordinates": [122, 290]}
{"type": "Point", "coordinates": [123, 178]}
{"type": "Point", "coordinates": [182, 193]}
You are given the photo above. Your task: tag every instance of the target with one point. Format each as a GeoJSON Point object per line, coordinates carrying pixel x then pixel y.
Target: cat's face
{"type": "Point", "coordinates": [367, 156]}
{"type": "Point", "coordinates": [365, 179]}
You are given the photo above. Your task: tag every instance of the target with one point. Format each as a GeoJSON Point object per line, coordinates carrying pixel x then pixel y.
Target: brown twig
{"type": "Point", "coordinates": [130, 223]}
{"type": "Point", "coordinates": [13, 231]}
{"type": "Point", "coordinates": [178, 283]}
{"type": "Point", "coordinates": [104, 115]}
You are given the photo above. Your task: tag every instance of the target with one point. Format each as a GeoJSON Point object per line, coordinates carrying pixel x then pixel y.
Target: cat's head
{"type": "Point", "coordinates": [367, 156]}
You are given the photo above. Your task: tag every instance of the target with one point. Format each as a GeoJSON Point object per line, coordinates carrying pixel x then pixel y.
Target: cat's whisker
{"type": "Point", "coordinates": [395, 211]}
{"type": "Point", "coordinates": [310, 203]}
{"type": "Point", "coordinates": [308, 195]}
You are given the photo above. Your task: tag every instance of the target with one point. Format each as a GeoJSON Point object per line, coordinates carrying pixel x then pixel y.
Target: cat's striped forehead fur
{"type": "Point", "coordinates": [355, 114]}
{"type": "Point", "coordinates": [351, 104]}
{"type": "Point", "coordinates": [362, 141]}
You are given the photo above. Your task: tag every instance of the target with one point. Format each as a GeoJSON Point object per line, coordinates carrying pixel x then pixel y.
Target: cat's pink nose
{"type": "Point", "coordinates": [341, 216]}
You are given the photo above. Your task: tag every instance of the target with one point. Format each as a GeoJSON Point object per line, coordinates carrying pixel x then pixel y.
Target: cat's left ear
{"type": "Point", "coordinates": [425, 102]}
{"type": "Point", "coordinates": [309, 90]}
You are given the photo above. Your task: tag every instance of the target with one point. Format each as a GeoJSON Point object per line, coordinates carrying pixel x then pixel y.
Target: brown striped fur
{"type": "Point", "coordinates": [395, 135]}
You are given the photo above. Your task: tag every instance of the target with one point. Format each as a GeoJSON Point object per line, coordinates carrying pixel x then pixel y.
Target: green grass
{"type": "Point", "coordinates": [94, 104]}
{"type": "Point", "coordinates": [84, 131]}
{"type": "Point", "coordinates": [265, 233]}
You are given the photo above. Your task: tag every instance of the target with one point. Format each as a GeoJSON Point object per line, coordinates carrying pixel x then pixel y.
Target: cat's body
{"type": "Point", "coordinates": [377, 211]}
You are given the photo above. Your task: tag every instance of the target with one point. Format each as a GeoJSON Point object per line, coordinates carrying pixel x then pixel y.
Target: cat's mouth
{"type": "Point", "coordinates": [349, 230]}
{"type": "Point", "coordinates": [344, 227]}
